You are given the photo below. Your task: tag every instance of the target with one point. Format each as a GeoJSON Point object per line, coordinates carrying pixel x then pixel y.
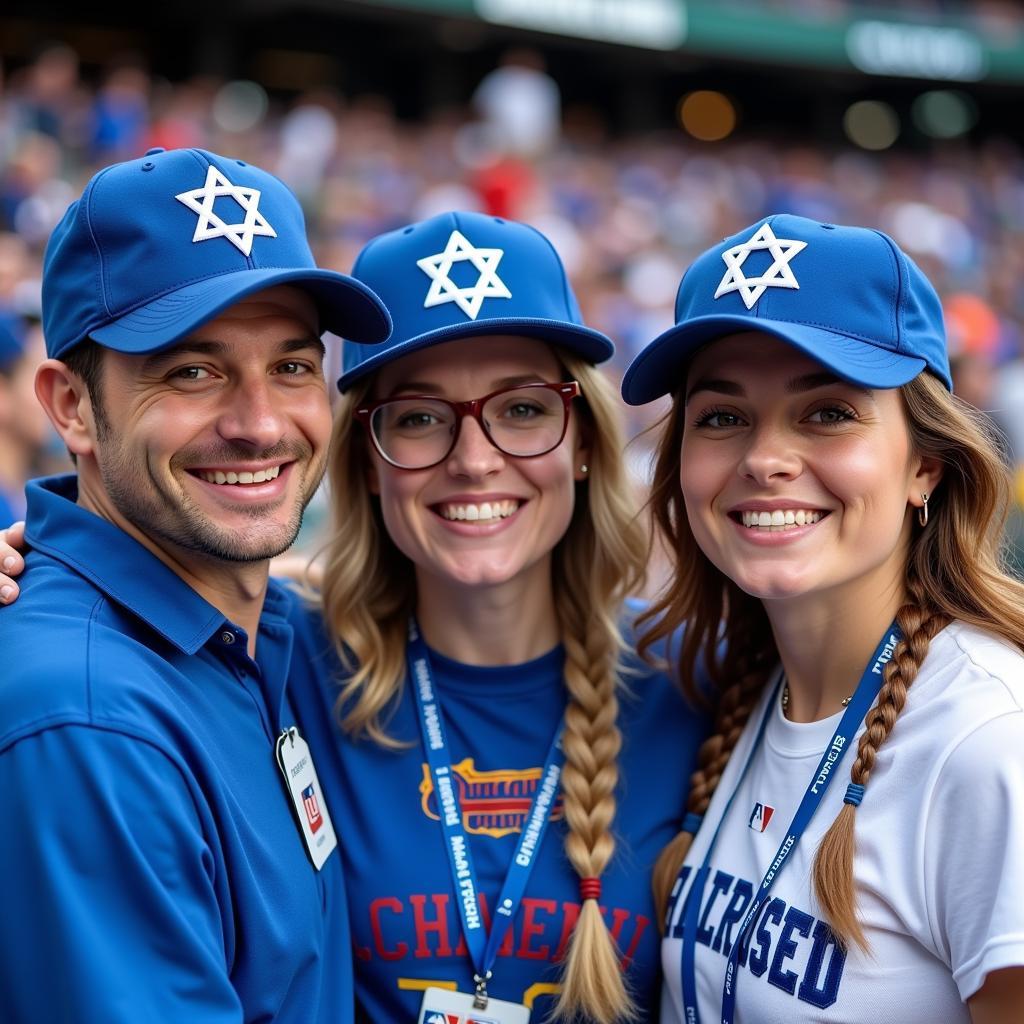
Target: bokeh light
{"type": "Point", "coordinates": [707, 115]}
{"type": "Point", "coordinates": [239, 106]}
{"type": "Point", "coordinates": [871, 124]}
{"type": "Point", "coordinates": [944, 113]}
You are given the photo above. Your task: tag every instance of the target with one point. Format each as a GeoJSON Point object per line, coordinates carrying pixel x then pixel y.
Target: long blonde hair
{"type": "Point", "coordinates": [954, 571]}
{"type": "Point", "coordinates": [369, 591]}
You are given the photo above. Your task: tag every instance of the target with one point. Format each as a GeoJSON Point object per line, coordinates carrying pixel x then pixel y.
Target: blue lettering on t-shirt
{"type": "Point", "coordinates": [720, 884]}
{"type": "Point", "coordinates": [785, 948]}
{"type": "Point", "coordinates": [742, 893]}
{"type": "Point", "coordinates": [773, 912]}
{"type": "Point", "coordinates": [822, 993]}
{"type": "Point", "coordinates": [781, 933]}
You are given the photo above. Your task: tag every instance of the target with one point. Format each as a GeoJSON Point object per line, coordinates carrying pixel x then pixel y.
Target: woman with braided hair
{"type": "Point", "coordinates": [473, 601]}
{"type": "Point", "coordinates": [854, 848]}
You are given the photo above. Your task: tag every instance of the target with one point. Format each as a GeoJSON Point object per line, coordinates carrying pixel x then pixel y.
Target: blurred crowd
{"type": "Point", "coordinates": [627, 212]}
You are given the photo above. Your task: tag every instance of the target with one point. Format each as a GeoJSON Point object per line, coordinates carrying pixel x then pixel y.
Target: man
{"type": "Point", "coordinates": [167, 853]}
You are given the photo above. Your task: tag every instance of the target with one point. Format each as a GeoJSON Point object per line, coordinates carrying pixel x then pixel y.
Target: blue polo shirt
{"type": "Point", "coordinates": [150, 867]}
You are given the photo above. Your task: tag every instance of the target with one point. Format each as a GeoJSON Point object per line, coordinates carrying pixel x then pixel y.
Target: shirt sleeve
{"type": "Point", "coordinates": [108, 886]}
{"type": "Point", "coordinates": [974, 853]}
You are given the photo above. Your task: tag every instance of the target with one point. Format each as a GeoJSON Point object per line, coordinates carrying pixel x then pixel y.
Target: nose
{"type": "Point", "coordinates": [474, 456]}
{"type": "Point", "coordinates": [770, 456]}
{"type": "Point", "coordinates": [252, 415]}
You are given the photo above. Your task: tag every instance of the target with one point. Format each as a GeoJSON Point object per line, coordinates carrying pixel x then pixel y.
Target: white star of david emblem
{"type": "Point", "coordinates": [443, 289]}
{"type": "Point", "coordinates": [778, 275]}
{"type": "Point", "coordinates": [209, 225]}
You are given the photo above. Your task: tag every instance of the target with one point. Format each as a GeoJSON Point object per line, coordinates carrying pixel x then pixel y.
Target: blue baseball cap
{"type": "Point", "coordinates": [460, 275]}
{"type": "Point", "coordinates": [848, 297]}
{"type": "Point", "coordinates": [159, 245]}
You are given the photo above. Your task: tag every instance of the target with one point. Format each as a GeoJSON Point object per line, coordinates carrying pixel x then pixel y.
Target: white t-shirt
{"type": "Point", "coordinates": [939, 864]}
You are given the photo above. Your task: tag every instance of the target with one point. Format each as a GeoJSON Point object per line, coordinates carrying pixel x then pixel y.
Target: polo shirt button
{"type": "Point", "coordinates": [228, 638]}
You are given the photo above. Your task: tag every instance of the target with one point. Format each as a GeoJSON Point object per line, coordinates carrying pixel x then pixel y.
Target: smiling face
{"type": "Point", "coordinates": [214, 446]}
{"type": "Point", "coordinates": [796, 483]}
{"type": "Point", "coordinates": [479, 518]}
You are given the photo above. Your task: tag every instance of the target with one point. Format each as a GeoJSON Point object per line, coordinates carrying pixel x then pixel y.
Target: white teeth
{"type": "Point", "coordinates": [261, 476]}
{"type": "Point", "coordinates": [779, 519]}
{"type": "Point", "coordinates": [486, 510]}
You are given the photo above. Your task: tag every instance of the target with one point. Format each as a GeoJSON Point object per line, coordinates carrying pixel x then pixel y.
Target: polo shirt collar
{"type": "Point", "coordinates": [116, 564]}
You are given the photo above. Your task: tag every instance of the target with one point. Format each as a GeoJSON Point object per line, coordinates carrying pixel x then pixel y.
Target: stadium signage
{"type": "Point", "coordinates": [916, 51]}
{"type": "Point", "coordinates": [653, 24]}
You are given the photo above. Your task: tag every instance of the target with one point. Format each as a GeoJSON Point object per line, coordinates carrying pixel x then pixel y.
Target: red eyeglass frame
{"type": "Point", "coordinates": [566, 389]}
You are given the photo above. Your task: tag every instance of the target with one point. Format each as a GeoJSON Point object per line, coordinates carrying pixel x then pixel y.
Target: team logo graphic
{"type": "Point", "coordinates": [760, 816]}
{"type": "Point", "coordinates": [443, 289]}
{"type": "Point", "coordinates": [209, 225]}
{"type": "Point", "coordinates": [445, 1017]}
{"type": "Point", "coordinates": [312, 805]}
{"type": "Point", "coordinates": [493, 803]}
{"type": "Point", "coordinates": [778, 275]}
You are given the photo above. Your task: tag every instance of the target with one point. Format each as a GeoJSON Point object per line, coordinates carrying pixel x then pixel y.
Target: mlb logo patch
{"type": "Point", "coordinates": [760, 816]}
{"type": "Point", "coordinates": [313, 815]}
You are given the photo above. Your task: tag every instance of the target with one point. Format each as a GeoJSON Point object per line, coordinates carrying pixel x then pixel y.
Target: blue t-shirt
{"type": "Point", "coordinates": [499, 722]}
{"type": "Point", "coordinates": [151, 868]}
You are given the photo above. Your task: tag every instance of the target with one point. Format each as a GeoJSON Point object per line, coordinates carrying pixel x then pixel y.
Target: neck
{"type": "Point", "coordinates": [825, 641]}
{"type": "Point", "coordinates": [507, 624]}
{"type": "Point", "coordinates": [236, 589]}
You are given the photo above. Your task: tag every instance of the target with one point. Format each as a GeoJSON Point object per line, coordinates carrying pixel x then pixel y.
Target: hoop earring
{"type": "Point", "coordinates": [922, 512]}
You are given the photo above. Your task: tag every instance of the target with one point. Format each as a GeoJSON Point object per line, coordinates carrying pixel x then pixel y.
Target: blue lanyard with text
{"type": "Point", "coordinates": [482, 952]}
{"type": "Point", "coordinates": [860, 703]}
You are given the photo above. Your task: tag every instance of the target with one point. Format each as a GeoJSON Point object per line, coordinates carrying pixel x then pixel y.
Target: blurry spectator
{"type": "Point", "coordinates": [120, 114]}
{"type": "Point", "coordinates": [521, 105]}
{"type": "Point", "coordinates": [49, 97]}
{"type": "Point", "coordinates": [24, 428]}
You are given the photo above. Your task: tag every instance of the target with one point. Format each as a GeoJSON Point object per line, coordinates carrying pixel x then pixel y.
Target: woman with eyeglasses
{"type": "Point", "coordinates": [497, 768]}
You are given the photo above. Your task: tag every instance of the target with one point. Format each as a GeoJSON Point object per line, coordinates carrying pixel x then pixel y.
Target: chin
{"type": "Point", "coordinates": [774, 586]}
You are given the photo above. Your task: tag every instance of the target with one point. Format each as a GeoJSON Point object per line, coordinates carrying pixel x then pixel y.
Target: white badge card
{"type": "Point", "coordinates": [443, 1006]}
{"type": "Point", "coordinates": [296, 764]}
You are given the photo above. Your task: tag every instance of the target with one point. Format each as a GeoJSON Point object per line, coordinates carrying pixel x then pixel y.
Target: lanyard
{"type": "Point", "coordinates": [482, 951]}
{"type": "Point", "coordinates": [864, 696]}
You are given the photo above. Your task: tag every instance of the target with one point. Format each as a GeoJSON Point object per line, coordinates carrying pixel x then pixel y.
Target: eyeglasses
{"type": "Point", "coordinates": [420, 431]}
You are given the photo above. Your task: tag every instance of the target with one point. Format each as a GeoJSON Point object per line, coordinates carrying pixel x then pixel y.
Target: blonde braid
{"type": "Point", "coordinates": [833, 864]}
{"type": "Point", "coordinates": [592, 983]}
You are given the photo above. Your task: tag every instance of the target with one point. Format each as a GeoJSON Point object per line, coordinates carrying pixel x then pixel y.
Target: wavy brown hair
{"type": "Point", "coordinates": [954, 571]}
{"type": "Point", "coordinates": [369, 591]}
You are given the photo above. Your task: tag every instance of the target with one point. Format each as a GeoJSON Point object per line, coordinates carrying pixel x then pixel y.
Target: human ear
{"type": "Point", "coordinates": [926, 477]}
{"type": "Point", "coordinates": [65, 398]}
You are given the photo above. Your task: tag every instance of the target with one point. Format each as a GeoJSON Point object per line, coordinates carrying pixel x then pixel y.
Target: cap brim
{"type": "Point", "coordinates": [660, 367]}
{"type": "Point", "coordinates": [347, 307]}
{"type": "Point", "coordinates": [590, 344]}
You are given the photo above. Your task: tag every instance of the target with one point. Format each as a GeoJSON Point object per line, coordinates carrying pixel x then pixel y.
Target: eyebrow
{"type": "Point", "coordinates": [415, 387]}
{"type": "Point", "coordinates": [219, 348]}
{"type": "Point", "coordinates": [794, 386]}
